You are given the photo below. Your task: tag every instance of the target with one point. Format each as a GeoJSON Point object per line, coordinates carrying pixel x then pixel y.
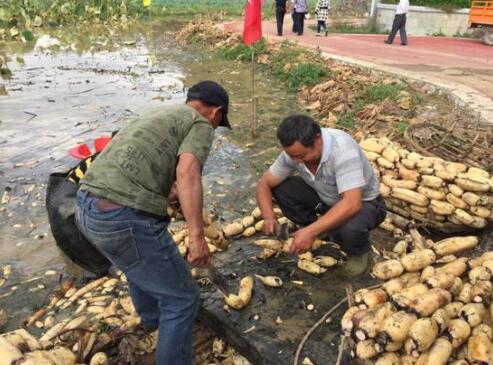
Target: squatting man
{"type": "Point", "coordinates": [323, 182]}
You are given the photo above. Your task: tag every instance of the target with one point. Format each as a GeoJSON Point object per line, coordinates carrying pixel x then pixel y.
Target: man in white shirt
{"type": "Point", "coordinates": [323, 182]}
{"type": "Point", "coordinates": [399, 23]}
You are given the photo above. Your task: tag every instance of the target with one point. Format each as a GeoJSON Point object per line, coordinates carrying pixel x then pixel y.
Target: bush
{"type": "Point", "coordinates": [447, 5]}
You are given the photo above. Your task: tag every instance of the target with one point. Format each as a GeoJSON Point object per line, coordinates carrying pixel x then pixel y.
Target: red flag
{"type": "Point", "coordinates": [252, 29]}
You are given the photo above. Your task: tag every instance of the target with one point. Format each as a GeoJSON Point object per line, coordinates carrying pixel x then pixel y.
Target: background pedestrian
{"type": "Point", "coordinates": [280, 13]}
{"type": "Point", "coordinates": [399, 23]}
{"type": "Point", "coordinates": [322, 13]}
{"type": "Point", "coordinates": [300, 10]}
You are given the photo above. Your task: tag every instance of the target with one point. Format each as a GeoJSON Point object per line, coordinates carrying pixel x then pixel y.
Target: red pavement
{"type": "Point", "coordinates": [450, 60]}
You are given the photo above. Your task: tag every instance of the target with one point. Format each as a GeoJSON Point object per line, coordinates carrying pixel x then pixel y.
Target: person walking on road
{"type": "Point", "coordinates": [280, 13]}
{"type": "Point", "coordinates": [324, 183]}
{"type": "Point", "coordinates": [399, 23]}
{"type": "Point", "coordinates": [322, 13]}
{"type": "Point", "coordinates": [300, 8]}
{"type": "Point", "coordinates": [122, 210]}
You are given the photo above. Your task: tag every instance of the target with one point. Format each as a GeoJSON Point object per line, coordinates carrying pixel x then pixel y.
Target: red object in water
{"type": "Point", "coordinates": [81, 151]}
{"type": "Point", "coordinates": [252, 28]}
{"type": "Point", "coordinates": [100, 143]}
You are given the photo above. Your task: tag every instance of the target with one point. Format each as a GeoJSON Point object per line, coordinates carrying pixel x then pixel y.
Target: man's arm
{"type": "Point", "coordinates": [264, 200]}
{"type": "Point", "coordinates": [189, 187]}
{"type": "Point", "coordinates": [173, 208]}
{"type": "Point", "coordinates": [341, 212]}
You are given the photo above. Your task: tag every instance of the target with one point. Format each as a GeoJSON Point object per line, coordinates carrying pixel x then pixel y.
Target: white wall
{"type": "Point", "coordinates": [426, 21]}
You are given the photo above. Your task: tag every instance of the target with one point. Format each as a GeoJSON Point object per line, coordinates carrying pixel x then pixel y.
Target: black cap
{"type": "Point", "coordinates": [212, 93]}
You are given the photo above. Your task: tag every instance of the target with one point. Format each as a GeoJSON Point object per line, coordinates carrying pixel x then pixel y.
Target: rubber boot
{"type": "Point", "coordinates": [358, 264]}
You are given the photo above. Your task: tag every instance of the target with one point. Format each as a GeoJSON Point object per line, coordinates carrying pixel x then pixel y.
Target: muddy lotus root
{"type": "Point", "coordinates": [244, 294]}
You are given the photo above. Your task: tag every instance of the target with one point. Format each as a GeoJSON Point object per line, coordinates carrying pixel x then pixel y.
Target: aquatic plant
{"type": "Point", "coordinates": [19, 17]}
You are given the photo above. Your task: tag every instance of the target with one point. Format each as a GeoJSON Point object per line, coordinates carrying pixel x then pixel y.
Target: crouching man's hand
{"type": "Point", "coordinates": [199, 254]}
{"type": "Point", "coordinates": [302, 241]}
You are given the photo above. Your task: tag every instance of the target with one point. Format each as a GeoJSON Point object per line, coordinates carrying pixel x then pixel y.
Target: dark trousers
{"type": "Point", "coordinates": [299, 21]}
{"type": "Point", "coordinates": [321, 24]}
{"type": "Point", "coordinates": [280, 12]}
{"type": "Point", "coordinates": [398, 25]}
{"type": "Point", "coordinates": [164, 293]}
{"type": "Point", "coordinates": [301, 204]}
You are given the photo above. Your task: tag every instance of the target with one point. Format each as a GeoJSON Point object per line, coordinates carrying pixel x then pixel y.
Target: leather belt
{"type": "Point", "coordinates": [104, 205]}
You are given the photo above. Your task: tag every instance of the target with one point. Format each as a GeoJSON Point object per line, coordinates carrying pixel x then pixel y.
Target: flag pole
{"type": "Point", "coordinates": [254, 98]}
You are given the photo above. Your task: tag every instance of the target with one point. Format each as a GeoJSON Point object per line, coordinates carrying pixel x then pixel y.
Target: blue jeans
{"type": "Point", "coordinates": [162, 288]}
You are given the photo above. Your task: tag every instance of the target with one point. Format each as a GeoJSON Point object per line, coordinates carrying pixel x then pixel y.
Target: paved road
{"type": "Point", "coordinates": [463, 66]}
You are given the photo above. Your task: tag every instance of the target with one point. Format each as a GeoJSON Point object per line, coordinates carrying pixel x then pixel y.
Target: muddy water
{"type": "Point", "coordinates": [94, 86]}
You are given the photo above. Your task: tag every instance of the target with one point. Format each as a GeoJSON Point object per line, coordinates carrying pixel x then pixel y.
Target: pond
{"type": "Point", "coordinates": [95, 84]}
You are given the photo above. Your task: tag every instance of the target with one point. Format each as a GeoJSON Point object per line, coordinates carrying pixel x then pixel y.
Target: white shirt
{"type": "Point", "coordinates": [403, 7]}
{"type": "Point", "coordinates": [343, 166]}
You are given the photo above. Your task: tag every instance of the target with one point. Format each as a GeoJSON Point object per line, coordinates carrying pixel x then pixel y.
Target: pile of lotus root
{"type": "Point", "coordinates": [445, 195]}
{"type": "Point", "coordinates": [433, 308]}
{"type": "Point", "coordinates": [99, 313]}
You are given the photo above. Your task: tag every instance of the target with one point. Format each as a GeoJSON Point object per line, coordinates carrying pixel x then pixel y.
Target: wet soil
{"type": "Point", "coordinates": [270, 328]}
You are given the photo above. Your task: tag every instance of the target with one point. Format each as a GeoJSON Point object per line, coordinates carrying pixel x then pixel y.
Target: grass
{"type": "Point", "coordinates": [400, 128]}
{"type": "Point", "coordinates": [184, 7]}
{"type": "Point", "coordinates": [416, 98]}
{"type": "Point", "coordinates": [287, 54]}
{"type": "Point", "coordinates": [242, 52]}
{"type": "Point", "coordinates": [195, 7]}
{"type": "Point", "coordinates": [438, 34]}
{"type": "Point", "coordinates": [298, 67]}
{"type": "Point", "coordinates": [380, 92]}
{"type": "Point", "coordinates": [294, 66]}
{"type": "Point", "coordinates": [346, 121]}
{"type": "Point", "coordinates": [304, 74]}
{"type": "Point", "coordinates": [371, 27]}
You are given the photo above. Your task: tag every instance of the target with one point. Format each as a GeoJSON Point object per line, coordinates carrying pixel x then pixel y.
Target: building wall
{"type": "Point", "coordinates": [426, 21]}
